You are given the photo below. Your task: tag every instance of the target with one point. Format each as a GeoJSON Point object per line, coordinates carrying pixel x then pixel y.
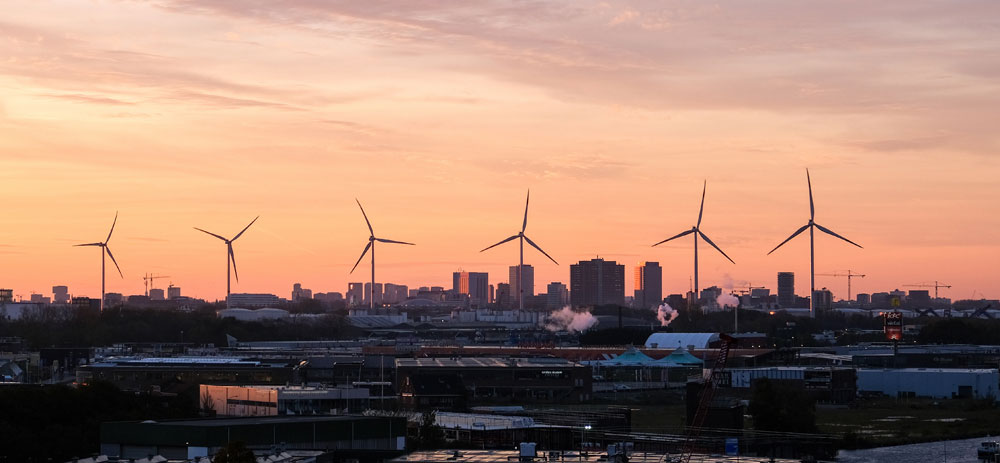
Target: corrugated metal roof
{"type": "Point", "coordinates": [671, 340]}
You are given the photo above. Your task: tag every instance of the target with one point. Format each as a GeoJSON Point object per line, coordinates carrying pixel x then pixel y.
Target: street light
{"type": "Point", "coordinates": [583, 438]}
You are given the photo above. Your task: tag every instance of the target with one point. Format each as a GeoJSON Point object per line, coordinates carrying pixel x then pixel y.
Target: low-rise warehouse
{"type": "Point", "coordinates": [939, 383]}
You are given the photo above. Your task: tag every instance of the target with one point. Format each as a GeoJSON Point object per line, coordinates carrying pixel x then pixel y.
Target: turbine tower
{"type": "Point", "coordinates": [523, 238]}
{"type": "Point", "coordinates": [371, 245]}
{"type": "Point", "coordinates": [696, 231]}
{"type": "Point", "coordinates": [106, 250]}
{"type": "Point", "coordinates": [811, 225]}
{"type": "Point", "coordinates": [230, 257]}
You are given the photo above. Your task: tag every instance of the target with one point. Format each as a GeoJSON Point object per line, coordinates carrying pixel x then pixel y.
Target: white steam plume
{"type": "Point", "coordinates": [568, 320]}
{"type": "Point", "coordinates": [727, 300]}
{"type": "Point", "coordinates": [665, 314]}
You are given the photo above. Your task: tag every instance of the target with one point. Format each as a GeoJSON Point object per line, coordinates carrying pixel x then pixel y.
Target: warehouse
{"type": "Point", "coordinates": [187, 439]}
{"type": "Point", "coordinates": [938, 383]}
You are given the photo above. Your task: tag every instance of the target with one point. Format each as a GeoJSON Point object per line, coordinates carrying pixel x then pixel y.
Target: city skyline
{"type": "Point", "coordinates": [589, 106]}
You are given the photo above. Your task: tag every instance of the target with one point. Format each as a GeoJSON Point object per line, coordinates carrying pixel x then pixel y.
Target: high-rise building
{"type": "Point", "coordinates": [515, 284]}
{"type": "Point", "coordinates": [556, 295]}
{"type": "Point", "coordinates": [864, 298]}
{"type": "Point", "coordinates": [355, 294]}
{"type": "Point", "coordinates": [394, 294]}
{"type": "Point", "coordinates": [503, 296]}
{"type": "Point", "coordinates": [476, 285]}
{"type": "Point", "coordinates": [6, 295]}
{"type": "Point", "coordinates": [60, 294]}
{"type": "Point", "coordinates": [155, 294]}
{"type": "Point", "coordinates": [173, 292]}
{"type": "Point", "coordinates": [786, 289]}
{"type": "Point", "coordinates": [648, 285]}
{"type": "Point", "coordinates": [822, 299]}
{"type": "Point", "coordinates": [597, 282]}
{"type": "Point", "coordinates": [368, 294]}
{"type": "Point", "coordinates": [299, 293]}
{"type": "Point", "coordinates": [40, 299]}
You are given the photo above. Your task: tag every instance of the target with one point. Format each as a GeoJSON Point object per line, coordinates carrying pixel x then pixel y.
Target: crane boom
{"type": "Point", "coordinates": [936, 285]}
{"type": "Point", "coordinates": [148, 281]}
{"type": "Point", "coordinates": [706, 395]}
{"type": "Point", "coordinates": [850, 274]}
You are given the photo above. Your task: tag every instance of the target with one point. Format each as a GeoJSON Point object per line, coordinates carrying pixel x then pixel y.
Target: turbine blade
{"type": "Point", "coordinates": [90, 244]}
{"type": "Point", "coordinates": [112, 228]}
{"type": "Point", "coordinates": [804, 227]}
{"type": "Point", "coordinates": [812, 208]}
{"type": "Point", "coordinates": [366, 217]}
{"type": "Point", "coordinates": [532, 243]}
{"type": "Point", "coordinates": [210, 233]}
{"type": "Point", "coordinates": [713, 245]}
{"type": "Point", "coordinates": [525, 224]}
{"type": "Point", "coordinates": [702, 208]}
{"type": "Point", "coordinates": [830, 232]}
{"type": "Point", "coordinates": [245, 228]}
{"type": "Point", "coordinates": [112, 256]}
{"type": "Point", "coordinates": [233, 258]}
{"type": "Point", "coordinates": [362, 256]}
{"type": "Point", "coordinates": [686, 232]}
{"type": "Point", "coordinates": [383, 240]}
{"type": "Point", "coordinates": [502, 242]}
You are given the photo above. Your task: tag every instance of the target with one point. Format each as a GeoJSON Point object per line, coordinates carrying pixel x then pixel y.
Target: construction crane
{"type": "Point", "coordinates": [148, 280]}
{"type": "Point", "coordinates": [850, 274]}
{"type": "Point", "coordinates": [750, 288]}
{"type": "Point", "coordinates": [936, 285]}
{"type": "Point", "coordinates": [705, 397]}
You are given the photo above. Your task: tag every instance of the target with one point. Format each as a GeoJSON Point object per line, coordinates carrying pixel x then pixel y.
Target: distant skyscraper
{"type": "Point", "coordinates": [356, 294]}
{"type": "Point", "coordinates": [597, 282]}
{"type": "Point", "coordinates": [786, 289]}
{"type": "Point", "coordinates": [394, 294]}
{"type": "Point", "coordinates": [299, 293]}
{"type": "Point", "coordinates": [60, 294]}
{"type": "Point", "coordinates": [822, 299]}
{"type": "Point", "coordinates": [864, 298]}
{"type": "Point", "coordinates": [156, 294]}
{"type": "Point", "coordinates": [556, 296]}
{"type": "Point", "coordinates": [529, 282]}
{"type": "Point", "coordinates": [173, 292]}
{"type": "Point", "coordinates": [40, 299]}
{"type": "Point", "coordinates": [476, 285]}
{"type": "Point", "coordinates": [648, 285]}
{"type": "Point", "coordinates": [503, 296]}
{"type": "Point", "coordinates": [368, 293]}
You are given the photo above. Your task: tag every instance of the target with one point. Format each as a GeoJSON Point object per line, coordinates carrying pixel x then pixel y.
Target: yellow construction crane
{"type": "Point", "coordinates": [148, 280]}
{"type": "Point", "coordinates": [936, 285]}
{"type": "Point", "coordinates": [850, 274]}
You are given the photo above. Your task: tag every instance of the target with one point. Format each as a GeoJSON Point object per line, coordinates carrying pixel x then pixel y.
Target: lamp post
{"type": "Point", "coordinates": [583, 438]}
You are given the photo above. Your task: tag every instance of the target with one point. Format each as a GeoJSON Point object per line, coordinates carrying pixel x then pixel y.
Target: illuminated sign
{"type": "Point", "coordinates": [893, 325]}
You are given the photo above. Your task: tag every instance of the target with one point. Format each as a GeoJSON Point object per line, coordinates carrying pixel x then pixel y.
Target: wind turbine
{"type": "Point", "coordinates": [371, 245]}
{"type": "Point", "coordinates": [520, 268]}
{"type": "Point", "coordinates": [696, 231]}
{"type": "Point", "coordinates": [230, 257]}
{"type": "Point", "coordinates": [811, 225]}
{"type": "Point", "coordinates": [106, 250]}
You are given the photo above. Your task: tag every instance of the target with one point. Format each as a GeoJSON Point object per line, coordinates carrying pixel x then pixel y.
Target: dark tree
{"type": "Point", "coordinates": [234, 452]}
{"type": "Point", "coordinates": [781, 406]}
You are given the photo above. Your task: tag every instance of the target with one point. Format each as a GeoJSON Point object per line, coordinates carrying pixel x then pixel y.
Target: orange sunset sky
{"type": "Point", "coordinates": [439, 116]}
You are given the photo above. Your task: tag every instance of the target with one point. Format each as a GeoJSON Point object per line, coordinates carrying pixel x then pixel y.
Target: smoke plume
{"type": "Point", "coordinates": [665, 314]}
{"type": "Point", "coordinates": [727, 300]}
{"type": "Point", "coordinates": [568, 320]}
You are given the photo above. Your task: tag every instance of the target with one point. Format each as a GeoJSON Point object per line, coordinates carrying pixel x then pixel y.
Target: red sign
{"type": "Point", "coordinates": [893, 325]}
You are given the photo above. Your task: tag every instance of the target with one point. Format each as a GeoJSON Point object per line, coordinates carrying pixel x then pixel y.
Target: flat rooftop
{"type": "Point", "coordinates": [484, 362]}
{"type": "Point", "coordinates": [244, 421]}
{"type": "Point", "coordinates": [568, 456]}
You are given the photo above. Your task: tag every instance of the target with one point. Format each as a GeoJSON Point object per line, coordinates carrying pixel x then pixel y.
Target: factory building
{"type": "Point", "coordinates": [938, 383]}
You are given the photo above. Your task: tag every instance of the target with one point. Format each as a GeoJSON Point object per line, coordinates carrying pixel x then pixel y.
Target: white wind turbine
{"type": "Point", "coordinates": [696, 230]}
{"type": "Point", "coordinates": [812, 248]}
{"type": "Point", "coordinates": [520, 268]}
{"type": "Point", "coordinates": [371, 245]}
{"type": "Point", "coordinates": [106, 250]}
{"type": "Point", "coordinates": [230, 257]}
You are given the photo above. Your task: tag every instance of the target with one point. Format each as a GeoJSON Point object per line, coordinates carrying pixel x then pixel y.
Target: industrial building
{"type": "Point", "coordinates": [938, 383]}
{"type": "Point", "coordinates": [266, 400]}
{"type": "Point", "coordinates": [437, 382]}
{"type": "Point", "coordinates": [188, 439]}
{"type": "Point", "coordinates": [833, 385]}
{"type": "Point", "coordinates": [131, 373]}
